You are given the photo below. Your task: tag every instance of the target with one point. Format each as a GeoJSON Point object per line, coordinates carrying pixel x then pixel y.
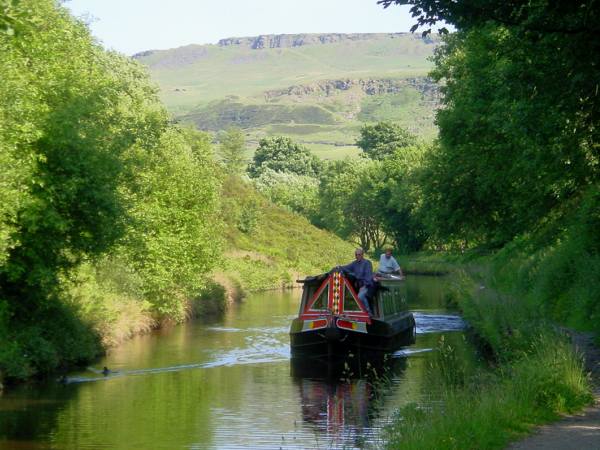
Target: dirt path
{"type": "Point", "coordinates": [577, 432]}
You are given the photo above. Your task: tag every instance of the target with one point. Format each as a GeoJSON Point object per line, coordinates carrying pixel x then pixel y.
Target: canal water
{"type": "Point", "coordinates": [231, 384]}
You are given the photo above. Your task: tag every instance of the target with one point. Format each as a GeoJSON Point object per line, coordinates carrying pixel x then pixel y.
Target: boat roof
{"type": "Point", "coordinates": [318, 279]}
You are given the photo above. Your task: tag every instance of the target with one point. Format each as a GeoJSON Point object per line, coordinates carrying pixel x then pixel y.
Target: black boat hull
{"type": "Point", "coordinates": [334, 342]}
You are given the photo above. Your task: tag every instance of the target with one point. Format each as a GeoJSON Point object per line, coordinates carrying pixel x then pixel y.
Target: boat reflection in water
{"type": "Point", "coordinates": [343, 398]}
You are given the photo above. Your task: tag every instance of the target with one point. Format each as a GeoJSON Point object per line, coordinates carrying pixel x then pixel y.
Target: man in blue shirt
{"type": "Point", "coordinates": [362, 269]}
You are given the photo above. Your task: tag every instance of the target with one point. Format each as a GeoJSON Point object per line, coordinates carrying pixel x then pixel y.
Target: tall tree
{"type": "Point", "coordinates": [400, 198]}
{"type": "Point", "coordinates": [173, 237]}
{"type": "Point", "coordinates": [569, 17]}
{"type": "Point", "coordinates": [232, 145]}
{"type": "Point", "coordinates": [92, 168]}
{"type": "Point", "coordinates": [300, 193]}
{"type": "Point", "coordinates": [68, 130]}
{"type": "Point", "coordinates": [519, 127]}
{"type": "Point", "coordinates": [349, 206]}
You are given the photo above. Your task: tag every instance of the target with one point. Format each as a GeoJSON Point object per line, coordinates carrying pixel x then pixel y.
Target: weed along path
{"type": "Point", "coordinates": [579, 431]}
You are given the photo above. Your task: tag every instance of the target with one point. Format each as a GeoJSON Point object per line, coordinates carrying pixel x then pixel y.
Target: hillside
{"type": "Point", "coordinates": [269, 247]}
{"type": "Point", "coordinates": [316, 88]}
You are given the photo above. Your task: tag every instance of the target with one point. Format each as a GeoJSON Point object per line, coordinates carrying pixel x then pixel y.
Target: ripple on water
{"type": "Point", "coordinates": [272, 330]}
{"type": "Point", "coordinates": [270, 345]}
{"type": "Point", "coordinates": [405, 352]}
{"type": "Point", "coordinates": [435, 323]}
{"type": "Point", "coordinates": [263, 346]}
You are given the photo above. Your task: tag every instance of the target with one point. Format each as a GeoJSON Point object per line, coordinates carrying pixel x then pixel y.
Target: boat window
{"type": "Point", "coordinates": [307, 294]}
{"type": "Point", "coordinates": [321, 302]}
{"type": "Point", "coordinates": [350, 303]}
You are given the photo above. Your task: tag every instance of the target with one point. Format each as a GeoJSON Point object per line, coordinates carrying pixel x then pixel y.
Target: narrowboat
{"type": "Point", "coordinates": [333, 322]}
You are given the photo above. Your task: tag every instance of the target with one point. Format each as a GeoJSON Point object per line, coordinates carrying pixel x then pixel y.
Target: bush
{"type": "Point", "coordinates": [281, 154]}
{"type": "Point", "coordinates": [61, 340]}
{"type": "Point", "coordinates": [298, 193]}
{"type": "Point", "coordinates": [211, 301]}
{"type": "Point", "coordinates": [248, 217]}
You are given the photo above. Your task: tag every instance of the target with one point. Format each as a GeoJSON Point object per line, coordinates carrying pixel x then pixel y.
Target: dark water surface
{"type": "Point", "coordinates": [228, 385]}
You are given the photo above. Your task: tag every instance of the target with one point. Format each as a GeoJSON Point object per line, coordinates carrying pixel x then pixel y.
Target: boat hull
{"type": "Point", "coordinates": [333, 341]}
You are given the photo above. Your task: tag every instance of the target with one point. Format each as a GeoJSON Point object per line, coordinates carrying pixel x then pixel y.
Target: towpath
{"type": "Point", "coordinates": [575, 432]}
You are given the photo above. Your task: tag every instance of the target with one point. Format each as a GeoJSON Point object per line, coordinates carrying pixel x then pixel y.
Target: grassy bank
{"type": "Point", "coordinates": [268, 247]}
{"type": "Point", "coordinates": [491, 409]}
{"type": "Point", "coordinates": [531, 374]}
{"type": "Point", "coordinates": [107, 297]}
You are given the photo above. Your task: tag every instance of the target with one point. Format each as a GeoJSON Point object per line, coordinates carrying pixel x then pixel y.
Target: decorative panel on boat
{"type": "Point", "coordinates": [350, 303]}
{"type": "Point", "coordinates": [321, 302]}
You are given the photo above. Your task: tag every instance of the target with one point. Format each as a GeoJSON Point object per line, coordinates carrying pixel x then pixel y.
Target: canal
{"type": "Point", "coordinates": [230, 384]}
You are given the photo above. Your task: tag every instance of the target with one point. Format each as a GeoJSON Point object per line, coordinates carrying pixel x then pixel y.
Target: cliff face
{"type": "Point", "coordinates": [322, 105]}
{"type": "Point", "coordinates": [298, 40]}
{"type": "Point", "coordinates": [189, 54]}
{"type": "Point", "coordinates": [426, 87]}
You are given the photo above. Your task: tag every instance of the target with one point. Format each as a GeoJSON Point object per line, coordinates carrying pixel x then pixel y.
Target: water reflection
{"type": "Point", "coordinates": [341, 400]}
{"type": "Point", "coordinates": [338, 411]}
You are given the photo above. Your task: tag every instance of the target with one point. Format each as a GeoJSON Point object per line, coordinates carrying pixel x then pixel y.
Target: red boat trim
{"type": "Point", "coordinates": [314, 324]}
{"type": "Point", "coordinates": [335, 300]}
{"type": "Point", "coordinates": [361, 327]}
{"type": "Point", "coordinates": [345, 324]}
{"type": "Point", "coordinates": [316, 296]}
{"type": "Point", "coordinates": [363, 314]}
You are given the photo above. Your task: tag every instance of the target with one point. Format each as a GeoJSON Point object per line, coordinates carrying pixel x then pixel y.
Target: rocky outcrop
{"type": "Point", "coordinates": [191, 53]}
{"type": "Point", "coordinates": [298, 40]}
{"type": "Point", "coordinates": [428, 89]}
{"type": "Point", "coordinates": [143, 54]}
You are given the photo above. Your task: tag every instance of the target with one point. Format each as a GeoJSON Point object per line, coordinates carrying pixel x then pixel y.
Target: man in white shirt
{"type": "Point", "coordinates": [388, 264]}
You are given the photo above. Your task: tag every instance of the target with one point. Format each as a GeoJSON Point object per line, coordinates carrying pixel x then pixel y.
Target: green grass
{"type": "Point", "coordinates": [219, 115]}
{"type": "Point", "coordinates": [426, 263]}
{"type": "Point", "coordinates": [333, 152]}
{"type": "Point", "coordinates": [533, 373]}
{"type": "Point", "coordinates": [278, 247]}
{"type": "Point", "coordinates": [494, 409]}
{"type": "Point", "coordinates": [406, 108]}
{"type": "Point", "coordinates": [298, 130]}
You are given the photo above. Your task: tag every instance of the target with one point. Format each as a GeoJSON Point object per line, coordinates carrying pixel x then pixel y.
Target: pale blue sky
{"type": "Point", "coordinates": [130, 26]}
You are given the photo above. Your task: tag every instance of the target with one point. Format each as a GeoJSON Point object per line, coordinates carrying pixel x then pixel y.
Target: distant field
{"type": "Point", "coordinates": [331, 152]}
{"type": "Point", "coordinates": [318, 94]}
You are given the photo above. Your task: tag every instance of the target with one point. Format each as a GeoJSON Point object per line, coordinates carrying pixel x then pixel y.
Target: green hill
{"type": "Point", "coordinates": [317, 89]}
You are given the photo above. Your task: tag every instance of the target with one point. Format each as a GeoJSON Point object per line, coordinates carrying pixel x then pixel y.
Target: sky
{"type": "Point", "coordinates": [131, 26]}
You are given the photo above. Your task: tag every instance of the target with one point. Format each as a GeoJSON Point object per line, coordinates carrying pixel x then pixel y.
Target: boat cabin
{"type": "Point", "coordinates": [337, 294]}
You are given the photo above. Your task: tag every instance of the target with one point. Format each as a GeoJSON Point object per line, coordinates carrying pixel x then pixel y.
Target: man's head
{"type": "Point", "coordinates": [388, 252]}
{"type": "Point", "coordinates": [359, 253]}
